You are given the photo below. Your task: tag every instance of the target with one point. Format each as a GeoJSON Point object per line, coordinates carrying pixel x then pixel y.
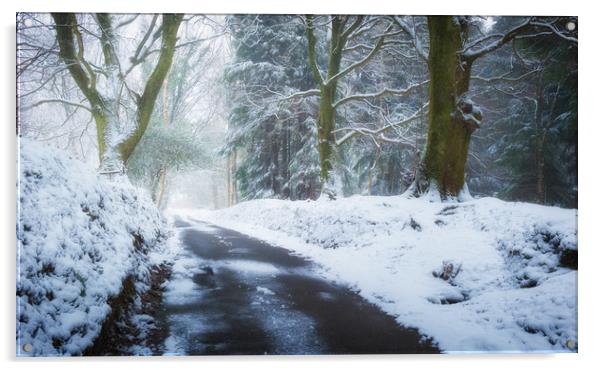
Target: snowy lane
{"type": "Point", "coordinates": [231, 294]}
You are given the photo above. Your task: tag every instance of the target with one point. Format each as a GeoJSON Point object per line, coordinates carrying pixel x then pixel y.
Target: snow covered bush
{"type": "Point", "coordinates": [480, 275]}
{"type": "Point", "coordinates": [80, 237]}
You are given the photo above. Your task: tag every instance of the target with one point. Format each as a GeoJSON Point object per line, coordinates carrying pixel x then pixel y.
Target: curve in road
{"type": "Point", "coordinates": [232, 294]}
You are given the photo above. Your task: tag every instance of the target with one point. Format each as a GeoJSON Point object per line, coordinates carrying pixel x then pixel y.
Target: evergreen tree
{"type": "Point", "coordinates": [539, 148]}
{"type": "Point", "coordinates": [275, 139]}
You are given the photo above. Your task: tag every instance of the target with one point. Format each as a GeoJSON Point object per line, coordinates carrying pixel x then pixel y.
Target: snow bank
{"type": "Point", "coordinates": [79, 237]}
{"type": "Point", "coordinates": [482, 275]}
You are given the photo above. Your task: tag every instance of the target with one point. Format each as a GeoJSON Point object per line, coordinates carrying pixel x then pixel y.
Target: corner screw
{"type": "Point", "coordinates": [571, 26]}
{"type": "Point", "coordinates": [570, 344]}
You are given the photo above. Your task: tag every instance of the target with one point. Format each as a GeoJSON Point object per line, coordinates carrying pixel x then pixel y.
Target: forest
{"type": "Point", "coordinates": [338, 137]}
{"type": "Point", "coordinates": [291, 107]}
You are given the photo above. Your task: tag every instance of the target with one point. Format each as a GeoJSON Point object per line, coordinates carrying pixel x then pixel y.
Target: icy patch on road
{"type": "Point", "coordinates": [250, 267]}
{"type": "Point", "coordinates": [265, 291]}
{"type": "Point", "coordinates": [291, 331]}
{"type": "Point", "coordinates": [184, 328]}
{"type": "Point", "coordinates": [180, 288]}
{"type": "Point", "coordinates": [204, 227]}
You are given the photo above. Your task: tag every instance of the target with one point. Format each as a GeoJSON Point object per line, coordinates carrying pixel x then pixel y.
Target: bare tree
{"type": "Point", "coordinates": [106, 103]}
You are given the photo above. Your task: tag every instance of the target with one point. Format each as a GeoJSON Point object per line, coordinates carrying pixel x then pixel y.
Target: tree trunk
{"type": "Point", "coordinates": [162, 186]}
{"type": "Point", "coordinates": [328, 89]}
{"type": "Point", "coordinates": [214, 192]}
{"type": "Point", "coordinates": [539, 142]}
{"type": "Point", "coordinates": [105, 108]}
{"type": "Point", "coordinates": [228, 182]}
{"type": "Point", "coordinates": [541, 189]}
{"type": "Point", "coordinates": [326, 126]}
{"type": "Point", "coordinates": [66, 33]}
{"type": "Point", "coordinates": [163, 170]}
{"type": "Point", "coordinates": [232, 197]}
{"type": "Point", "coordinates": [146, 103]}
{"type": "Point", "coordinates": [451, 117]}
{"type": "Point", "coordinates": [100, 119]}
{"type": "Point", "coordinates": [234, 187]}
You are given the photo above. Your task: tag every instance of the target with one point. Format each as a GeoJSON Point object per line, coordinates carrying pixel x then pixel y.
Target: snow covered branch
{"type": "Point", "coordinates": [61, 101]}
{"type": "Point", "coordinates": [383, 92]}
{"type": "Point", "coordinates": [500, 40]}
{"type": "Point", "coordinates": [411, 31]}
{"type": "Point", "coordinates": [555, 30]}
{"type": "Point", "coordinates": [531, 25]}
{"type": "Point", "coordinates": [301, 94]}
{"type": "Point", "coordinates": [354, 26]}
{"type": "Point", "coordinates": [504, 77]}
{"type": "Point", "coordinates": [139, 56]}
{"type": "Point", "coordinates": [361, 62]}
{"type": "Point", "coordinates": [378, 134]}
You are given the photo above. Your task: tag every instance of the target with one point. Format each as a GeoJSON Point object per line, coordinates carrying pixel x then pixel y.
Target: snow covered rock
{"type": "Point", "coordinates": [80, 237]}
{"type": "Point", "coordinates": [480, 275]}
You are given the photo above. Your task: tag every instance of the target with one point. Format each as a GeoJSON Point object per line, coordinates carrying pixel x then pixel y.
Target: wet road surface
{"type": "Point", "coordinates": [232, 294]}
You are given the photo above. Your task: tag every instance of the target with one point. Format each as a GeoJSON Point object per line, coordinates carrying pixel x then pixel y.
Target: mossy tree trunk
{"type": "Point", "coordinates": [103, 104]}
{"type": "Point", "coordinates": [452, 116]}
{"type": "Point", "coordinates": [449, 131]}
{"type": "Point", "coordinates": [67, 34]}
{"type": "Point", "coordinates": [326, 126]}
{"type": "Point", "coordinates": [341, 30]}
{"type": "Point", "coordinates": [146, 103]}
{"type": "Point", "coordinates": [328, 89]}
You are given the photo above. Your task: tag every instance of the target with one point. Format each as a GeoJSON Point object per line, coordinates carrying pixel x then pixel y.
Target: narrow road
{"type": "Point", "coordinates": [232, 294]}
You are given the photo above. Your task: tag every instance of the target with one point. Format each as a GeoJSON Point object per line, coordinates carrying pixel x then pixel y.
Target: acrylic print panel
{"type": "Point", "coordinates": [291, 184]}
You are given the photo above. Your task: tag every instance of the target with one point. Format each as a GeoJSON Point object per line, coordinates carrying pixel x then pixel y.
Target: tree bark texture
{"type": "Point", "coordinates": [449, 131]}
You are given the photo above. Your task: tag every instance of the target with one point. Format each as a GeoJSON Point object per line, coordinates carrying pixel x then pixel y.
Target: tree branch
{"type": "Point", "coordinates": [46, 101]}
{"type": "Point", "coordinates": [504, 77]}
{"type": "Point", "coordinates": [415, 40]}
{"type": "Point", "coordinates": [302, 94]}
{"type": "Point", "coordinates": [311, 46]}
{"type": "Point", "coordinates": [355, 25]}
{"type": "Point", "coordinates": [359, 63]}
{"type": "Point", "coordinates": [555, 30]}
{"type": "Point", "coordinates": [126, 22]}
{"type": "Point", "coordinates": [379, 133]}
{"type": "Point", "coordinates": [107, 38]}
{"type": "Point", "coordinates": [146, 104]}
{"type": "Point", "coordinates": [502, 39]}
{"type": "Point", "coordinates": [81, 58]}
{"type": "Point", "coordinates": [136, 58]}
{"type": "Point", "coordinates": [65, 23]}
{"type": "Point", "coordinates": [383, 92]}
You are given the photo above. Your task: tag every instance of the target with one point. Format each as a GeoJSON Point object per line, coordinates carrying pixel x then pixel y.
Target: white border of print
{"type": "Point", "coordinates": [589, 180]}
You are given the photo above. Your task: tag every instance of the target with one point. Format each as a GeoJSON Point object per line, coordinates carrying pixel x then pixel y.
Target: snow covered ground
{"type": "Point", "coordinates": [79, 237]}
{"type": "Point", "coordinates": [481, 275]}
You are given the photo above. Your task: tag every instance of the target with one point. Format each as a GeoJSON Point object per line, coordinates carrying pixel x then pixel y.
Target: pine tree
{"type": "Point", "coordinates": [274, 140]}
{"type": "Point", "coordinates": [539, 147]}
